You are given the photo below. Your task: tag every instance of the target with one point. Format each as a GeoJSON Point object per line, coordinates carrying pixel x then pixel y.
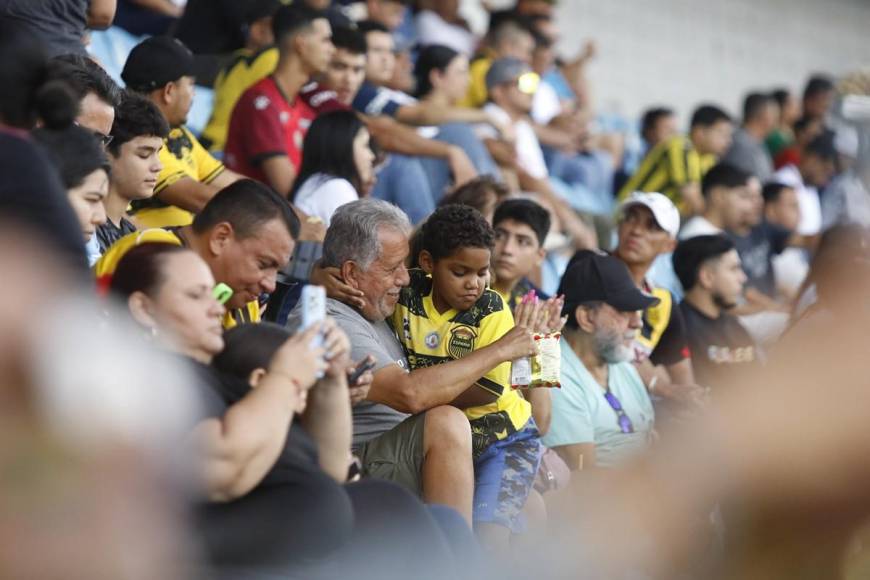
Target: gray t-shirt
{"type": "Point", "coordinates": [60, 24]}
{"type": "Point", "coordinates": [749, 154]}
{"type": "Point", "coordinates": [366, 338]}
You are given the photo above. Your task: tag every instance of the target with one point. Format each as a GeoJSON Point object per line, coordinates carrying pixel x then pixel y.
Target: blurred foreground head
{"type": "Point", "coordinates": [88, 420]}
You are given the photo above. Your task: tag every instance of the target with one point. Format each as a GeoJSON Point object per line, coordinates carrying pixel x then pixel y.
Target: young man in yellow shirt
{"type": "Point", "coordinates": [446, 313]}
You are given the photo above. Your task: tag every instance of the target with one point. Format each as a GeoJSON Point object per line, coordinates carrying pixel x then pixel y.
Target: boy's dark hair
{"type": "Point", "coordinates": [822, 147]}
{"type": "Point", "coordinates": [817, 85]}
{"type": "Point", "coordinates": [85, 76]}
{"type": "Point", "coordinates": [292, 19]}
{"type": "Point", "coordinates": [723, 175]}
{"type": "Point", "coordinates": [453, 227]}
{"type": "Point", "coordinates": [75, 152]}
{"type": "Point", "coordinates": [249, 347]}
{"type": "Point", "coordinates": [349, 39]}
{"type": "Point", "coordinates": [692, 254]}
{"type": "Point", "coordinates": [651, 117]}
{"type": "Point", "coordinates": [367, 26]}
{"type": "Point", "coordinates": [773, 190]}
{"type": "Point", "coordinates": [136, 116]}
{"type": "Point", "coordinates": [246, 205]}
{"type": "Point", "coordinates": [524, 211]}
{"type": "Point", "coordinates": [754, 104]}
{"type": "Point", "coordinates": [708, 115]}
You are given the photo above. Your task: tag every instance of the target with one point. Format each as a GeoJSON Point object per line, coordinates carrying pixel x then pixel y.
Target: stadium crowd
{"type": "Point", "coordinates": [469, 218]}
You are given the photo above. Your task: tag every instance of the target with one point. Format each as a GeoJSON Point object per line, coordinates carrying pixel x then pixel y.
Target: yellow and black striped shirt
{"type": "Point", "coordinates": [667, 168]}
{"type": "Point", "coordinates": [430, 338]}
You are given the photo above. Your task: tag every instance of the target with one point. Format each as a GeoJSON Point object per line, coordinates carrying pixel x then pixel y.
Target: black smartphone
{"type": "Point", "coordinates": [364, 365]}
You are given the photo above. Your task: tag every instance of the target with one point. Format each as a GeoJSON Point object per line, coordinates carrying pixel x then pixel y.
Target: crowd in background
{"type": "Point", "coordinates": [469, 214]}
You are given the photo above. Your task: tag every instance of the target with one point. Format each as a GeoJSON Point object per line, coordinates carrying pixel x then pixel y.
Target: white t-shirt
{"type": "Point", "coordinates": [322, 194]}
{"type": "Point", "coordinates": [529, 155]}
{"type": "Point", "coordinates": [432, 29]}
{"type": "Point", "coordinates": [698, 226]}
{"type": "Point", "coordinates": [808, 200]}
{"type": "Point", "coordinates": [545, 104]}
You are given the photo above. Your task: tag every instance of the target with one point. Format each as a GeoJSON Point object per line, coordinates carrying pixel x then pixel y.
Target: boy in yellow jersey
{"type": "Point", "coordinates": [447, 313]}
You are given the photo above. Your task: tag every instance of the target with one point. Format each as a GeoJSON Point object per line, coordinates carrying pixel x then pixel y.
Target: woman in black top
{"type": "Point", "coordinates": [276, 505]}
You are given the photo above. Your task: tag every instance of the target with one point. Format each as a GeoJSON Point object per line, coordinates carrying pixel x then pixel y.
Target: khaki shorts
{"type": "Point", "coordinates": [397, 455]}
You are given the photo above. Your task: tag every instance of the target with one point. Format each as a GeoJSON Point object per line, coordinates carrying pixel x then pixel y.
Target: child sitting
{"type": "Point", "coordinates": [446, 313]}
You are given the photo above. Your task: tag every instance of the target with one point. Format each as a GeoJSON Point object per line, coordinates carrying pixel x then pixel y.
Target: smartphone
{"type": "Point", "coordinates": [313, 301]}
{"type": "Point", "coordinates": [364, 365]}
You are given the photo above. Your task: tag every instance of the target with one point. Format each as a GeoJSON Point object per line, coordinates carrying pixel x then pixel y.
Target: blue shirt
{"type": "Point", "coordinates": [581, 414]}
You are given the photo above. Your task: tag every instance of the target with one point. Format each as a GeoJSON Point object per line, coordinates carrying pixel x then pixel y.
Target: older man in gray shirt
{"type": "Point", "coordinates": [406, 431]}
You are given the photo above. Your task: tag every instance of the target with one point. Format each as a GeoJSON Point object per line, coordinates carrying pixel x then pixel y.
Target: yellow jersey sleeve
{"type": "Point", "coordinates": [174, 168]}
{"type": "Point", "coordinates": [207, 167]}
{"type": "Point", "coordinates": [492, 328]}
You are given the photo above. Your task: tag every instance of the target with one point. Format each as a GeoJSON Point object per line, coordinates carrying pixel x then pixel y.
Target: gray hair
{"type": "Point", "coordinates": [354, 228]}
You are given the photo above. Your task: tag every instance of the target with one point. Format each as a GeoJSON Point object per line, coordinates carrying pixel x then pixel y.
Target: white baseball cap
{"type": "Point", "coordinates": [663, 209]}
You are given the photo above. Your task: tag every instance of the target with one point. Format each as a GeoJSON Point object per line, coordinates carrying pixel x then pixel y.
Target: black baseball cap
{"type": "Point", "coordinates": [156, 61]}
{"type": "Point", "coordinates": [597, 277]}
{"type": "Point", "coordinates": [262, 9]}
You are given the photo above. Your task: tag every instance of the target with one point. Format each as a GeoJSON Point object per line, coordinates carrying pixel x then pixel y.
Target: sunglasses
{"type": "Point", "coordinates": [625, 424]}
{"type": "Point", "coordinates": [528, 83]}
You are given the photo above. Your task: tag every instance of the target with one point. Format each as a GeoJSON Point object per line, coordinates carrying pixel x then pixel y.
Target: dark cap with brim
{"type": "Point", "coordinates": [156, 61]}
{"type": "Point", "coordinates": [597, 277]}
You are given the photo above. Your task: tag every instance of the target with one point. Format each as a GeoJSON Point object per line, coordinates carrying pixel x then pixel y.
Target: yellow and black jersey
{"type": "Point", "coordinates": [245, 70]}
{"type": "Point", "coordinates": [430, 338]}
{"type": "Point", "coordinates": [662, 338]}
{"type": "Point", "coordinates": [667, 168]}
{"type": "Point", "coordinates": [182, 155]}
{"type": "Point", "coordinates": [105, 267]}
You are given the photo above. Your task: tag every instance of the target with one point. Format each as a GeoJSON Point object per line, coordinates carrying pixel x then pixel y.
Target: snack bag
{"type": "Point", "coordinates": [547, 365]}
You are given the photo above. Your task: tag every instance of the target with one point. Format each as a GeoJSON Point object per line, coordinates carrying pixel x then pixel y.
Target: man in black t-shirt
{"type": "Point", "coordinates": [710, 271]}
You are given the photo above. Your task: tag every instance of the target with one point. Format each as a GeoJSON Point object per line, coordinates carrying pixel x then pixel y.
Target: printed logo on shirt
{"type": "Point", "coordinates": [461, 341]}
{"type": "Point", "coordinates": [726, 355]}
{"type": "Point", "coordinates": [433, 340]}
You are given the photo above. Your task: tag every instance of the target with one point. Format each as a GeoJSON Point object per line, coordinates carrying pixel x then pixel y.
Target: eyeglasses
{"type": "Point", "coordinates": [101, 137]}
{"type": "Point", "coordinates": [625, 424]}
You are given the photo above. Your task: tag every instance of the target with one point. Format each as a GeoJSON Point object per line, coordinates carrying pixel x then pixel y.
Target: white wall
{"type": "Point", "coordinates": [682, 52]}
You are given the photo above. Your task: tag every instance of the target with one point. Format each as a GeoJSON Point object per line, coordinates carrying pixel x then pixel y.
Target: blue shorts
{"type": "Point", "coordinates": [503, 477]}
